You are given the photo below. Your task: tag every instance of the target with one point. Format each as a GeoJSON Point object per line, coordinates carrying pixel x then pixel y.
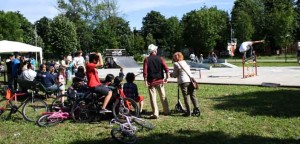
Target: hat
{"type": "Point", "coordinates": [152, 48]}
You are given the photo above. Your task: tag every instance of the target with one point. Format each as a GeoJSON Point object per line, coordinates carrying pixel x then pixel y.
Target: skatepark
{"type": "Point", "coordinates": [266, 76]}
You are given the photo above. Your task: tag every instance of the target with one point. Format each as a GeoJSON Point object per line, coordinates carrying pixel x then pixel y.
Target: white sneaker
{"type": "Point", "coordinates": [105, 111]}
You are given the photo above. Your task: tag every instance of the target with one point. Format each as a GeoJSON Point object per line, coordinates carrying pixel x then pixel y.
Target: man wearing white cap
{"type": "Point", "coordinates": [153, 72]}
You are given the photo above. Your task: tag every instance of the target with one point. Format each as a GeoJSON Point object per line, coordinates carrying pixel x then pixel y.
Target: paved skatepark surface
{"type": "Point", "coordinates": [281, 76]}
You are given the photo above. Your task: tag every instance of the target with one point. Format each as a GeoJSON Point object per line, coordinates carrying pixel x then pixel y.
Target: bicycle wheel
{"type": "Point", "coordinates": [81, 111]}
{"type": "Point", "coordinates": [125, 106]}
{"type": "Point", "coordinates": [45, 121]}
{"type": "Point", "coordinates": [123, 136]}
{"type": "Point", "coordinates": [5, 111]}
{"type": "Point", "coordinates": [62, 102]}
{"type": "Point", "coordinates": [144, 123]}
{"type": "Point", "coordinates": [33, 108]}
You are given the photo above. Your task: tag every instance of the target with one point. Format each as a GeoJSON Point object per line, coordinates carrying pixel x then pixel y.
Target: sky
{"type": "Point", "coordinates": [131, 10]}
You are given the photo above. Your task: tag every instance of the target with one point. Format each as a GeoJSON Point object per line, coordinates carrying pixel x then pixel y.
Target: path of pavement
{"type": "Point", "coordinates": [283, 76]}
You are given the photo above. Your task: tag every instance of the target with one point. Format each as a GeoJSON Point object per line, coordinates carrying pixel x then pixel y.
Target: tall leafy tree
{"type": "Point", "coordinates": [203, 28]}
{"type": "Point", "coordinates": [297, 18]}
{"type": "Point", "coordinates": [10, 26]}
{"type": "Point", "coordinates": [172, 33]}
{"type": "Point", "coordinates": [62, 36]}
{"type": "Point", "coordinates": [281, 23]}
{"type": "Point", "coordinates": [154, 23]}
{"type": "Point", "coordinates": [43, 31]}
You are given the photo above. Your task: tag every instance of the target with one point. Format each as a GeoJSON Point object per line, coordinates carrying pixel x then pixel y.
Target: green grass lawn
{"type": "Point", "coordinates": [230, 114]}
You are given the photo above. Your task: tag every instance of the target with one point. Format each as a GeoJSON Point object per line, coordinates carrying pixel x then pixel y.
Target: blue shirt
{"type": "Point", "coordinates": [15, 67]}
{"type": "Point", "coordinates": [46, 79]}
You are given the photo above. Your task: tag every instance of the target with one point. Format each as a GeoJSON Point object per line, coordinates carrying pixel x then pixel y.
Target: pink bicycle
{"type": "Point", "coordinates": [52, 118]}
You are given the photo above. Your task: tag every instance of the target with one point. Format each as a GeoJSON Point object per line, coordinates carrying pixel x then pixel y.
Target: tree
{"type": "Point", "coordinates": [172, 33]}
{"type": "Point", "coordinates": [62, 36]}
{"type": "Point", "coordinates": [86, 15]}
{"type": "Point", "coordinates": [243, 26]}
{"type": "Point", "coordinates": [280, 18]}
{"type": "Point", "coordinates": [10, 26]}
{"type": "Point", "coordinates": [43, 31]}
{"type": "Point", "coordinates": [154, 23]}
{"type": "Point", "coordinates": [203, 28]}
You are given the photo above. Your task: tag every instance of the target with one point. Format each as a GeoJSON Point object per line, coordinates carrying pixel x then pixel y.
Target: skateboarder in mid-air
{"type": "Point", "coordinates": [247, 45]}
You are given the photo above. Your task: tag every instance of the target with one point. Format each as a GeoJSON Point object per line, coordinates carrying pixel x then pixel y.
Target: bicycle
{"type": "Point", "coordinates": [52, 118]}
{"type": "Point", "coordinates": [125, 133]}
{"type": "Point", "coordinates": [31, 107]}
{"type": "Point", "coordinates": [87, 108]}
{"type": "Point", "coordinates": [67, 100]}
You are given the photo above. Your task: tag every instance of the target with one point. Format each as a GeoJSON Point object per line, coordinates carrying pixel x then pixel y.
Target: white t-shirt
{"type": "Point", "coordinates": [245, 46]}
{"type": "Point", "coordinates": [28, 75]}
{"type": "Point", "coordinates": [78, 61]}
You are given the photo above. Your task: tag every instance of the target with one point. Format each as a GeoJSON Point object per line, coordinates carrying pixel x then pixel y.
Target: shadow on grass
{"type": "Point", "coordinates": [277, 103]}
{"type": "Point", "coordinates": [197, 137]}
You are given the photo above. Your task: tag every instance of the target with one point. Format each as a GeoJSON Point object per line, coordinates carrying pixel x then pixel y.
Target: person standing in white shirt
{"type": "Point", "coordinates": [78, 60]}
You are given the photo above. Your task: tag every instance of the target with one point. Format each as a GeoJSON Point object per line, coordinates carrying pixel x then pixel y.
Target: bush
{"type": "Point", "coordinates": [138, 57]}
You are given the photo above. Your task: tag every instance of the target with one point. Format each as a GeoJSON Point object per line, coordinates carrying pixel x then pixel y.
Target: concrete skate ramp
{"type": "Point", "coordinates": [125, 62]}
{"type": "Point", "coordinates": [229, 65]}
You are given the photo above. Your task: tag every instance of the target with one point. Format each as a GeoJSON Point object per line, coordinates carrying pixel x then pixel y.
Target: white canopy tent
{"type": "Point", "coordinates": [12, 46]}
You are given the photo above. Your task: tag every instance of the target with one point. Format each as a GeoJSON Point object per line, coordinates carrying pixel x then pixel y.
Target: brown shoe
{"type": "Point", "coordinates": [153, 117]}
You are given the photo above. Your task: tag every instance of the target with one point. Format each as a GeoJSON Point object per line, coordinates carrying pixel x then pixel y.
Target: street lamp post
{"type": "Point", "coordinates": [286, 40]}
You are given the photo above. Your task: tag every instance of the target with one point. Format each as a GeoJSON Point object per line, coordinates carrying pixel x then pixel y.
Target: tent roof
{"type": "Point", "coordinates": [12, 46]}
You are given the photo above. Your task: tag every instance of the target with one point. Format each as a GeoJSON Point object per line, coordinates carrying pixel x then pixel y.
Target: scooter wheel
{"type": "Point", "coordinates": [196, 112]}
{"type": "Point", "coordinates": [178, 108]}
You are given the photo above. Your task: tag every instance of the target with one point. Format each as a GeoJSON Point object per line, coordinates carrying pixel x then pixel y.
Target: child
{"type": "Point", "coordinates": [121, 74]}
{"type": "Point", "coordinates": [131, 91]}
{"type": "Point", "coordinates": [61, 82]}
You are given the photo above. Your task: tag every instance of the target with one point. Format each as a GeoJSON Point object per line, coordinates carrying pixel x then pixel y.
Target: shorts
{"type": "Point", "coordinates": [139, 99]}
{"type": "Point", "coordinates": [101, 89]}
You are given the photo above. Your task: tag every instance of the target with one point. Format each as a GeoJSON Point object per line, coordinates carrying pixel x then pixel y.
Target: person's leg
{"type": "Point", "coordinates": [10, 81]}
{"type": "Point", "coordinates": [107, 99]}
{"type": "Point", "coordinates": [104, 91]}
{"type": "Point", "coordinates": [141, 106]}
{"type": "Point", "coordinates": [15, 83]}
{"type": "Point", "coordinates": [53, 87]}
{"type": "Point", "coordinates": [192, 94]}
{"type": "Point", "coordinates": [163, 98]}
{"type": "Point", "coordinates": [184, 90]}
{"type": "Point", "coordinates": [140, 100]}
{"type": "Point", "coordinates": [152, 94]}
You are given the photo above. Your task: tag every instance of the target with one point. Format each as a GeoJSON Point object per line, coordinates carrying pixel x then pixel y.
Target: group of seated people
{"type": "Point", "coordinates": [87, 78]}
{"type": "Point", "coordinates": [53, 79]}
